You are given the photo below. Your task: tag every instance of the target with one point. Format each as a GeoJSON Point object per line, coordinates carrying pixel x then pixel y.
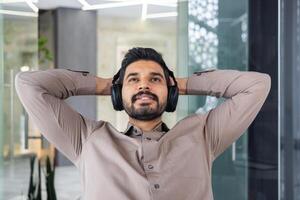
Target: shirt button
{"type": "Point", "coordinates": [156, 186]}
{"type": "Point", "coordinates": [150, 167]}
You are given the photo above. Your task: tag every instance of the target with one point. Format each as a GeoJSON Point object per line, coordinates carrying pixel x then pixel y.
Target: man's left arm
{"type": "Point", "coordinates": [245, 93]}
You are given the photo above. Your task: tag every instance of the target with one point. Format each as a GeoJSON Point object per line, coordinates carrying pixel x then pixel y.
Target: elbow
{"type": "Point", "coordinates": [19, 82]}
{"type": "Point", "coordinates": [264, 85]}
{"type": "Point", "coordinates": [267, 82]}
{"type": "Point", "coordinates": [24, 78]}
{"type": "Point", "coordinates": [18, 79]}
{"type": "Point", "coordinates": [22, 81]}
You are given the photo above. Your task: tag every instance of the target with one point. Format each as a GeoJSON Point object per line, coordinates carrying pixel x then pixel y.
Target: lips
{"type": "Point", "coordinates": [144, 96]}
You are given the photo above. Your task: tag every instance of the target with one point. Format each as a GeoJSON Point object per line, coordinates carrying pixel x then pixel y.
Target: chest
{"type": "Point", "coordinates": [185, 156]}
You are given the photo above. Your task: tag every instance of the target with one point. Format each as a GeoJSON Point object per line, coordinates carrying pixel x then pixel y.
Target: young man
{"type": "Point", "coordinates": [148, 160]}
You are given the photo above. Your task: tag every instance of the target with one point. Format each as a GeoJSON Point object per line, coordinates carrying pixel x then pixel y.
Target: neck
{"type": "Point", "coordinates": [145, 125]}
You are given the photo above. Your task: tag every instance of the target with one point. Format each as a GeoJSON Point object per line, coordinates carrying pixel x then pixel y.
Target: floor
{"type": "Point", "coordinates": [14, 181]}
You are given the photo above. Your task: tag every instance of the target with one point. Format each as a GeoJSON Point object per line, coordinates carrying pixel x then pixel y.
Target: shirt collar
{"type": "Point", "coordinates": [131, 129]}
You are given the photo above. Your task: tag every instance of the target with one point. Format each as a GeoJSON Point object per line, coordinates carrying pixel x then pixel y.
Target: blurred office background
{"type": "Point", "coordinates": [194, 35]}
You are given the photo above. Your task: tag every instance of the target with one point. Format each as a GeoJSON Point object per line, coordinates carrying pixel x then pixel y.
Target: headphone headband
{"type": "Point", "coordinates": [173, 77]}
{"type": "Point", "coordinates": [117, 76]}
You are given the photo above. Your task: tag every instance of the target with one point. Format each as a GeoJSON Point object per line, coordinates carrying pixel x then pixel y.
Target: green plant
{"type": "Point", "coordinates": [50, 172]}
{"type": "Point", "coordinates": [34, 191]}
{"type": "Point", "coordinates": [44, 52]}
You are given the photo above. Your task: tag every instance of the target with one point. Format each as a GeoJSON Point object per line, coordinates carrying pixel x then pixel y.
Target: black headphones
{"type": "Point", "coordinates": [116, 94]}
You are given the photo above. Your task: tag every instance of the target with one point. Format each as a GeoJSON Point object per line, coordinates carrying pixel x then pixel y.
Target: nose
{"type": "Point", "coordinates": [144, 85]}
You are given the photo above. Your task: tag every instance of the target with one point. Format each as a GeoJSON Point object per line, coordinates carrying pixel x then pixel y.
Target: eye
{"type": "Point", "coordinates": [155, 79]}
{"type": "Point", "coordinates": [132, 79]}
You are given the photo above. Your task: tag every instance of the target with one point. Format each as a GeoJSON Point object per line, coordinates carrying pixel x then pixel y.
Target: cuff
{"type": "Point", "coordinates": [85, 82]}
{"type": "Point", "coordinates": [196, 82]}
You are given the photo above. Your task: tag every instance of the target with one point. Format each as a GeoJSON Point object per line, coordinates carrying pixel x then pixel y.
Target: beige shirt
{"type": "Point", "coordinates": [158, 165]}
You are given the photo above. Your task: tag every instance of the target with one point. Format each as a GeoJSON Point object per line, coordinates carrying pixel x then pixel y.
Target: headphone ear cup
{"type": "Point", "coordinates": [172, 98]}
{"type": "Point", "coordinates": [116, 96]}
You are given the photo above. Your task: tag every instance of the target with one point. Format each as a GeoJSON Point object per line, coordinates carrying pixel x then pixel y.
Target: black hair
{"type": "Point", "coordinates": [140, 53]}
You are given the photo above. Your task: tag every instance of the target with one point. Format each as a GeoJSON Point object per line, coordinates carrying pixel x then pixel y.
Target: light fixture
{"type": "Point", "coordinates": [18, 13]}
{"type": "Point", "coordinates": [84, 3]}
{"type": "Point", "coordinates": [32, 6]}
{"type": "Point", "coordinates": [144, 11]}
{"type": "Point", "coordinates": [87, 6]}
{"type": "Point", "coordinates": [159, 15]}
{"type": "Point", "coordinates": [167, 3]}
{"type": "Point", "coordinates": [30, 3]}
{"type": "Point", "coordinates": [143, 3]}
{"type": "Point", "coordinates": [15, 1]}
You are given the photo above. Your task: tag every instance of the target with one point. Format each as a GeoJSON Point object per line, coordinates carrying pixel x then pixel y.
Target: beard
{"type": "Point", "coordinates": [145, 112]}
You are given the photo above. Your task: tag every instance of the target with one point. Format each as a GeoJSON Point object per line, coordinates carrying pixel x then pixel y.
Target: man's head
{"type": "Point", "coordinates": [144, 77]}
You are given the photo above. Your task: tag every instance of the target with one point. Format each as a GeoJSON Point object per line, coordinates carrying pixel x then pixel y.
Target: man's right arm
{"type": "Point", "coordinates": [103, 86]}
{"type": "Point", "coordinates": [42, 94]}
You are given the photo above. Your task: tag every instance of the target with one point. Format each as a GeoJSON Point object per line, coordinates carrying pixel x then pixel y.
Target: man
{"type": "Point", "coordinates": [148, 160]}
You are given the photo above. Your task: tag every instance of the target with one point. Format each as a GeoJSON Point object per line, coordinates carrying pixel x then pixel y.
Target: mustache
{"type": "Point", "coordinates": [134, 97]}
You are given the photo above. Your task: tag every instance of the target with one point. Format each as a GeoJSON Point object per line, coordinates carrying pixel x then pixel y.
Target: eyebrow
{"type": "Point", "coordinates": [131, 74]}
{"type": "Point", "coordinates": [157, 74]}
{"type": "Point", "coordinates": [152, 73]}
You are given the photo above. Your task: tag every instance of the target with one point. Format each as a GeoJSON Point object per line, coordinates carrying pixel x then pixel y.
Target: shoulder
{"type": "Point", "coordinates": [190, 123]}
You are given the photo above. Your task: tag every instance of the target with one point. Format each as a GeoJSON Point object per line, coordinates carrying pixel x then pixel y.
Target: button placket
{"type": "Point", "coordinates": [147, 138]}
{"type": "Point", "coordinates": [149, 164]}
{"type": "Point", "coordinates": [149, 167]}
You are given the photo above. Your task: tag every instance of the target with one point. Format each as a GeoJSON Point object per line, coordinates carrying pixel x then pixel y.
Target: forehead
{"type": "Point", "coordinates": [144, 67]}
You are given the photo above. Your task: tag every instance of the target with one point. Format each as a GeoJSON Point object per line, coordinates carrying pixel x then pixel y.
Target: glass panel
{"type": "Point", "coordinates": [1, 104]}
{"type": "Point", "coordinates": [218, 39]}
{"type": "Point", "coordinates": [289, 107]}
{"type": "Point", "coordinates": [19, 52]}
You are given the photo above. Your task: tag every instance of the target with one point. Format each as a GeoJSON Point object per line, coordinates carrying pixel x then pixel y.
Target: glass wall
{"type": "Point", "coordinates": [18, 51]}
{"type": "Point", "coordinates": [1, 103]}
{"type": "Point", "coordinates": [289, 101]}
{"type": "Point", "coordinates": [217, 32]}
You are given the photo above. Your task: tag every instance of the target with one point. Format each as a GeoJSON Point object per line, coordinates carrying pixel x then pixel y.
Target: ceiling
{"type": "Point", "coordinates": [129, 11]}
